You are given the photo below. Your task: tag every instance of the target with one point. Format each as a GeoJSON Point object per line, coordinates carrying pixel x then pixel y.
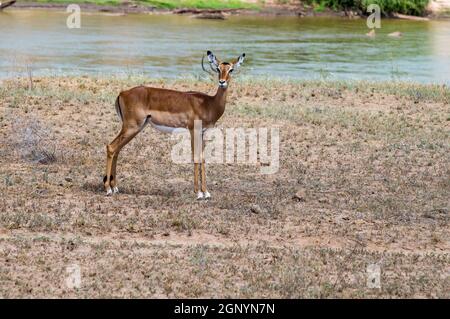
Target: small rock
{"type": "Point", "coordinates": [68, 179]}
{"type": "Point", "coordinates": [255, 209]}
{"type": "Point", "coordinates": [395, 34]}
{"type": "Point", "coordinates": [70, 245]}
{"type": "Point", "coordinates": [371, 33]}
{"type": "Point", "coordinates": [300, 196]}
{"type": "Point", "coordinates": [428, 215]}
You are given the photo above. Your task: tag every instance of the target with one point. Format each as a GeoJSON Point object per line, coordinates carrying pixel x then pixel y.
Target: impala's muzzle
{"type": "Point", "coordinates": [223, 83]}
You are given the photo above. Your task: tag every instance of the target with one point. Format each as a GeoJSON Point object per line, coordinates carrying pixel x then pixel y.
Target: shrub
{"type": "Point", "coordinates": [34, 142]}
{"type": "Point", "coordinates": [411, 7]}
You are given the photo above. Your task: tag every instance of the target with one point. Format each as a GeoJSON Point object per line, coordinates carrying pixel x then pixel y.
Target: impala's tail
{"type": "Point", "coordinates": [119, 109]}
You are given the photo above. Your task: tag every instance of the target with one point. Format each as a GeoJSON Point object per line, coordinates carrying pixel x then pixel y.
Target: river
{"type": "Point", "coordinates": [172, 46]}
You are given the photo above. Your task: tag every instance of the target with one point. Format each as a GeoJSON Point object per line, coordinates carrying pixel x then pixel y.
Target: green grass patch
{"type": "Point", "coordinates": [171, 4]}
{"type": "Point", "coordinates": [319, 7]}
{"type": "Point", "coordinates": [201, 4]}
{"type": "Point", "coordinates": [97, 2]}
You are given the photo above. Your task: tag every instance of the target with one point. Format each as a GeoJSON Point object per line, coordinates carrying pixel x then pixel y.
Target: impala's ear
{"type": "Point", "coordinates": [239, 60]}
{"type": "Point", "coordinates": [212, 59]}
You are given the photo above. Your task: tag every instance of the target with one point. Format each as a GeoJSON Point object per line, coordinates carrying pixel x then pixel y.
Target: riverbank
{"type": "Point", "coordinates": [363, 180]}
{"type": "Point", "coordinates": [220, 9]}
{"type": "Point", "coordinates": [237, 8]}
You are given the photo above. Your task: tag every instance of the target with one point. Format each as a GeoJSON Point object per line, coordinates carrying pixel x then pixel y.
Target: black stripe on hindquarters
{"type": "Point", "coordinates": [118, 108]}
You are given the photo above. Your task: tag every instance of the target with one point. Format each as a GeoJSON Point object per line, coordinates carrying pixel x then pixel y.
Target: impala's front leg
{"type": "Point", "coordinates": [206, 194]}
{"type": "Point", "coordinates": [196, 160]}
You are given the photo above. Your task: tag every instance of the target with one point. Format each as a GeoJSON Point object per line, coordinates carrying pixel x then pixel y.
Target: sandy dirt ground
{"type": "Point", "coordinates": [364, 180]}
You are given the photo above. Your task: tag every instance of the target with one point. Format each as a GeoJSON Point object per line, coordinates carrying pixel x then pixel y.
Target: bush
{"type": "Point", "coordinates": [34, 142]}
{"type": "Point", "coordinates": [411, 7]}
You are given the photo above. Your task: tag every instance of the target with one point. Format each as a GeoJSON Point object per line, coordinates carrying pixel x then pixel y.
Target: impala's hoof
{"type": "Point", "coordinates": [199, 195]}
{"type": "Point", "coordinates": [109, 192]}
{"type": "Point", "coordinates": [115, 190]}
{"type": "Point", "coordinates": [206, 195]}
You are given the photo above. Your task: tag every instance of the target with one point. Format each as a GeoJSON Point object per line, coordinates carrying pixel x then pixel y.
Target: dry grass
{"type": "Point", "coordinates": [369, 164]}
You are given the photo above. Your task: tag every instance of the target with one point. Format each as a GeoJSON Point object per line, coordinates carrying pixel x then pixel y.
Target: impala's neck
{"type": "Point", "coordinates": [220, 99]}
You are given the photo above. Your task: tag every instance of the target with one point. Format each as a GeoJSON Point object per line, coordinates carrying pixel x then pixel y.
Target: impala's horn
{"type": "Point", "coordinates": [204, 69]}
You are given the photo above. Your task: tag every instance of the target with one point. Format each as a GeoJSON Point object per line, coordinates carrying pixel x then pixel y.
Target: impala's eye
{"type": "Point", "coordinates": [218, 70]}
{"type": "Point", "coordinates": [230, 71]}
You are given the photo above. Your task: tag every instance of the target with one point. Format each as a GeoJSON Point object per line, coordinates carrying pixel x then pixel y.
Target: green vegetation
{"type": "Point", "coordinates": [97, 2]}
{"type": "Point", "coordinates": [171, 4]}
{"type": "Point", "coordinates": [201, 4]}
{"type": "Point", "coordinates": [412, 7]}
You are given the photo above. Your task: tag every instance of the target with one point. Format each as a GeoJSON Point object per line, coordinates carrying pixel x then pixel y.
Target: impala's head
{"type": "Point", "coordinates": [224, 69]}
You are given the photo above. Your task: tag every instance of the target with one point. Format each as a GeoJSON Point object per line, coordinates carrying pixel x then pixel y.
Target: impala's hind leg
{"type": "Point", "coordinates": [112, 152]}
{"type": "Point", "coordinates": [109, 177]}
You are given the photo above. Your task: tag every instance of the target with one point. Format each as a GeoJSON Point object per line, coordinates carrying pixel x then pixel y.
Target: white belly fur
{"type": "Point", "coordinates": [168, 129]}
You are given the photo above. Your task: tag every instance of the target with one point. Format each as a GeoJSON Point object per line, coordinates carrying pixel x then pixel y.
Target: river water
{"type": "Point", "coordinates": [172, 46]}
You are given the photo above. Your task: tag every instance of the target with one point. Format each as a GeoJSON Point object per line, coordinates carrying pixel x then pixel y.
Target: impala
{"type": "Point", "coordinates": [169, 110]}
